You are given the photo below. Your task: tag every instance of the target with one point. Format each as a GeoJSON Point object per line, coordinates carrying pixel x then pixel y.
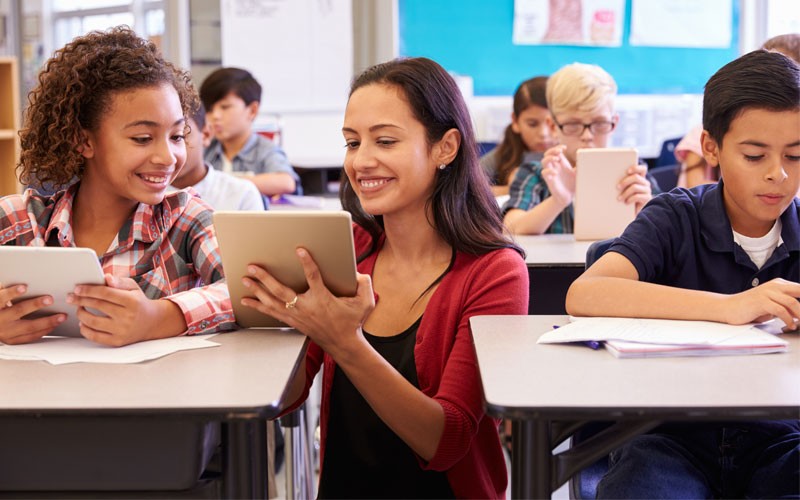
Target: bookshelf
{"type": "Point", "coordinates": [9, 125]}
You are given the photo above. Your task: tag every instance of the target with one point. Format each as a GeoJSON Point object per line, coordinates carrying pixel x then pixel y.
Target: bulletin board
{"type": "Point", "coordinates": [474, 38]}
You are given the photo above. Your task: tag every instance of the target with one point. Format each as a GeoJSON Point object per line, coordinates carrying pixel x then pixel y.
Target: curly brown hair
{"type": "Point", "coordinates": [76, 87]}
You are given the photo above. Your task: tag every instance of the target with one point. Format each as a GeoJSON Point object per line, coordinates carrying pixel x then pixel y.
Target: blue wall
{"type": "Point", "coordinates": [473, 37]}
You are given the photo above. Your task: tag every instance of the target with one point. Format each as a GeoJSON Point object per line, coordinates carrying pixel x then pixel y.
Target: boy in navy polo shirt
{"type": "Point", "coordinates": [727, 252]}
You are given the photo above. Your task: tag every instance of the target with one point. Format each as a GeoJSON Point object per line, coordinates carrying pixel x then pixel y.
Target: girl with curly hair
{"type": "Point", "coordinates": [110, 113]}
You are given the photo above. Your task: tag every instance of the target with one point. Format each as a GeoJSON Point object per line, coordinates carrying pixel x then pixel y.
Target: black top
{"type": "Point", "coordinates": [363, 457]}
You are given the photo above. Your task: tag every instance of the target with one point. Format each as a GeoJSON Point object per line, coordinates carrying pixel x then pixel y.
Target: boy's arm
{"type": "Point", "coordinates": [536, 220]}
{"type": "Point", "coordinates": [272, 183]}
{"type": "Point", "coordinates": [611, 287]}
{"type": "Point", "coordinates": [525, 211]}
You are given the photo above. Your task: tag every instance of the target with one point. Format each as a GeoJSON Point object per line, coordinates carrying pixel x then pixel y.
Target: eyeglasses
{"type": "Point", "coordinates": [577, 128]}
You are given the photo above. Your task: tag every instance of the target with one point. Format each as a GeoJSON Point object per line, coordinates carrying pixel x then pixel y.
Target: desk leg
{"type": "Point", "coordinates": [244, 459]}
{"type": "Point", "coordinates": [531, 460]}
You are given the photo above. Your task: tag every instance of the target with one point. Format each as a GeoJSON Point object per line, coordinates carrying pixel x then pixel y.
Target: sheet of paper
{"type": "Point", "coordinates": [63, 350]}
{"type": "Point", "coordinates": [624, 349]}
{"type": "Point", "coordinates": [653, 331]}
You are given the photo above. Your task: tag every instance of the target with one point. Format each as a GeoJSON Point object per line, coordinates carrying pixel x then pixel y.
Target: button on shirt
{"type": "Point", "coordinates": [259, 156]}
{"type": "Point", "coordinates": [169, 249]}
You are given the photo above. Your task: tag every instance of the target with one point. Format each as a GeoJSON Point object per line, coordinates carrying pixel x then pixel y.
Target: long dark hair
{"type": "Point", "coordinates": [509, 152]}
{"type": "Point", "coordinates": [464, 210]}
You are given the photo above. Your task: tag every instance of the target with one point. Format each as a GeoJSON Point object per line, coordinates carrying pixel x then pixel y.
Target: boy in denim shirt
{"type": "Point", "coordinates": [232, 98]}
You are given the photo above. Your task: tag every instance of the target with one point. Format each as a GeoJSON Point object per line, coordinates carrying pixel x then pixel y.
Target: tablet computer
{"type": "Point", "coordinates": [54, 271]}
{"type": "Point", "coordinates": [270, 240]}
{"type": "Point", "coordinates": [598, 214]}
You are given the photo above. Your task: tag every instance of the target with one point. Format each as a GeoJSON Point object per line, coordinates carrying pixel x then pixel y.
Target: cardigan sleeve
{"type": "Point", "coordinates": [497, 283]}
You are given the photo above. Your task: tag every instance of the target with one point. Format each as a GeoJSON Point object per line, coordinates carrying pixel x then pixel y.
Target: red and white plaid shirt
{"type": "Point", "coordinates": [169, 249]}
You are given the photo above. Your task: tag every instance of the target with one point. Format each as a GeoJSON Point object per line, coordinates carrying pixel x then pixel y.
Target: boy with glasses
{"type": "Point", "coordinates": [581, 102]}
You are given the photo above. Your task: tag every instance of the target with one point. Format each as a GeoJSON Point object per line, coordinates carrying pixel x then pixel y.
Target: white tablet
{"type": "Point", "coordinates": [53, 271]}
{"type": "Point", "coordinates": [598, 213]}
{"type": "Point", "coordinates": [270, 240]}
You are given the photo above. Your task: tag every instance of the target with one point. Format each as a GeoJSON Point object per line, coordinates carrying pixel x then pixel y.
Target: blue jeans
{"type": "Point", "coordinates": [708, 460]}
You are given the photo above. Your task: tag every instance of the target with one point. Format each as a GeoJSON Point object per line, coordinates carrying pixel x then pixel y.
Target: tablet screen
{"type": "Point", "coordinates": [270, 240]}
{"type": "Point", "coordinates": [54, 271]}
{"type": "Point", "coordinates": [598, 213]}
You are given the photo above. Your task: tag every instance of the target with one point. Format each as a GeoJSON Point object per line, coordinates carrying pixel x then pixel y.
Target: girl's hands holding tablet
{"type": "Point", "coordinates": [120, 313]}
{"type": "Point", "coordinates": [332, 322]}
{"type": "Point", "coordinates": [14, 329]}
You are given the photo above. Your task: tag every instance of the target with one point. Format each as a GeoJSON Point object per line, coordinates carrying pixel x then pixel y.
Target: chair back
{"type": "Point", "coordinates": [666, 176]}
{"type": "Point", "coordinates": [596, 250]}
{"type": "Point", "coordinates": [667, 155]}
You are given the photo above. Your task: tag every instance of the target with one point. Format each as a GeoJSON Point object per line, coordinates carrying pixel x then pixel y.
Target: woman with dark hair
{"type": "Point", "coordinates": [402, 409]}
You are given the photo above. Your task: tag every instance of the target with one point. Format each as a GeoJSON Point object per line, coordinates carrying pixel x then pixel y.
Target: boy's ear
{"type": "Point", "coordinates": [710, 149]}
{"type": "Point", "coordinates": [206, 136]}
{"type": "Point", "coordinates": [85, 144]}
{"type": "Point", "coordinates": [446, 149]}
{"type": "Point", "coordinates": [252, 110]}
{"type": "Point", "coordinates": [551, 124]}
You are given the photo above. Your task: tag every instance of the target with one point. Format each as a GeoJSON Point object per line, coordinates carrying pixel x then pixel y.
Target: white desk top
{"type": "Point", "coordinates": [247, 373]}
{"type": "Point", "coordinates": [553, 249]}
{"type": "Point", "coordinates": [522, 378]}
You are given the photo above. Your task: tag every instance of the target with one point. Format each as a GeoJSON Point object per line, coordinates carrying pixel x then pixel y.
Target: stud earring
{"type": "Point", "coordinates": [442, 166]}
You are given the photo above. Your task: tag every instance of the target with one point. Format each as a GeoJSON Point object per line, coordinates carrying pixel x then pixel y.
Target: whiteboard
{"type": "Point", "coordinates": [300, 51]}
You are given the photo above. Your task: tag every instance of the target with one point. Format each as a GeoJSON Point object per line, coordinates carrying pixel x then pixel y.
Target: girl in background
{"type": "Point", "coordinates": [526, 138]}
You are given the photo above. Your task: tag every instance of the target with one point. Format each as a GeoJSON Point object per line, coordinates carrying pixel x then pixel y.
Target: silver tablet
{"type": "Point", "coordinates": [598, 213]}
{"type": "Point", "coordinates": [270, 239]}
{"type": "Point", "coordinates": [51, 271]}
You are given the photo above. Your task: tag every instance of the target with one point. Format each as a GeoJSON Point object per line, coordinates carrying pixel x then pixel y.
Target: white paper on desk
{"type": "Point", "coordinates": [63, 350]}
{"type": "Point", "coordinates": [738, 347]}
{"type": "Point", "coordinates": [650, 331]}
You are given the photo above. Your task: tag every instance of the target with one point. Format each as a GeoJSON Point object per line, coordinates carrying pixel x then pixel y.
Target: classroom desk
{"type": "Point", "coordinates": [241, 383]}
{"type": "Point", "coordinates": [316, 172]}
{"type": "Point", "coordinates": [548, 391]}
{"type": "Point", "coordinates": [554, 261]}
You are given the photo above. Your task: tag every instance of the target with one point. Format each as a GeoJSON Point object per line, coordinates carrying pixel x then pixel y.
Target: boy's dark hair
{"type": "Point", "coordinates": [199, 117]}
{"type": "Point", "coordinates": [760, 79]}
{"type": "Point", "coordinates": [226, 80]}
{"type": "Point", "coordinates": [509, 152]}
{"type": "Point", "coordinates": [464, 211]}
{"type": "Point", "coordinates": [75, 89]}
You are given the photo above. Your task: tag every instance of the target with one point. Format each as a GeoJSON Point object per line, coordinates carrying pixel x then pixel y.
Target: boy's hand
{"type": "Point", "coordinates": [776, 298]}
{"type": "Point", "coordinates": [635, 188]}
{"type": "Point", "coordinates": [125, 316]}
{"type": "Point", "coordinates": [14, 329]}
{"type": "Point", "coordinates": [559, 175]}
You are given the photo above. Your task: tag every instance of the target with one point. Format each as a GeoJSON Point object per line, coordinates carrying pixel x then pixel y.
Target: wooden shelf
{"type": "Point", "coordinates": [9, 125]}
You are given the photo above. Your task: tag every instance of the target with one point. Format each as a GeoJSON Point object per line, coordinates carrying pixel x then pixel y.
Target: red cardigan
{"type": "Point", "coordinates": [469, 451]}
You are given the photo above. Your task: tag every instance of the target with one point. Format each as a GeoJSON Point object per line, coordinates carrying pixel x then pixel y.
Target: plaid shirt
{"type": "Point", "coordinates": [169, 249]}
{"type": "Point", "coordinates": [529, 189]}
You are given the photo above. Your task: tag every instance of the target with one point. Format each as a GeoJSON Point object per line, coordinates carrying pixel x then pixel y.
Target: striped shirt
{"type": "Point", "coordinates": [169, 249]}
{"type": "Point", "coordinates": [529, 189]}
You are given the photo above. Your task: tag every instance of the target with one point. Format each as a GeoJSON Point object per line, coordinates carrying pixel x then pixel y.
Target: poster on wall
{"type": "Point", "coordinates": [569, 22]}
{"type": "Point", "coordinates": [682, 23]}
